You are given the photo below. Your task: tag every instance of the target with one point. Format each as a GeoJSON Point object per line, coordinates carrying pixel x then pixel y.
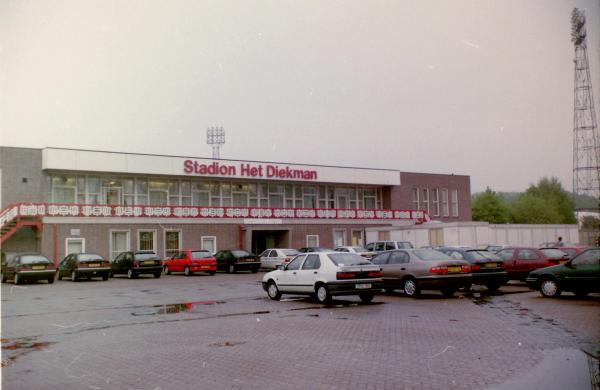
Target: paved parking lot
{"type": "Point", "coordinates": [222, 331]}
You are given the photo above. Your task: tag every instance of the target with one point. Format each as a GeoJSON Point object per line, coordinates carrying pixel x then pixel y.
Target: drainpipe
{"type": "Point", "coordinates": [240, 237]}
{"type": "Point", "coordinates": [54, 237]}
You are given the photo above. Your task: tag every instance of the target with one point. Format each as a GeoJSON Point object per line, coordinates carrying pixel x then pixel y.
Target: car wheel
{"type": "Point", "coordinates": [73, 276]}
{"type": "Point", "coordinates": [167, 270]}
{"type": "Point", "coordinates": [366, 297]}
{"type": "Point", "coordinates": [448, 291]}
{"type": "Point", "coordinates": [131, 274]}
{"type": "Point", "coordinates": [18, 279]}
{"type": "Point", "coordinates": [187, 271]}
{"type": "Point", "coordinates": [272, 291]}
{"type": "Point", "coordinates": [411, 288]}
{"type": "Point", "coordinates": [111, 274]}
{"type": "Point", "coordinates": [105, 276]}
{"type": "Point", "coordinates": [231, 269]}
{"type": "Point", "coordinates": [211, 273]}
{"type": "Point", "coordinates": [323, 295]}
{"type": "Point", "coordinates": [157, 275]}
{"type": "Point", "coordinates": [549, 288]}
{"type": "Point", "coordinates": [51, 280]}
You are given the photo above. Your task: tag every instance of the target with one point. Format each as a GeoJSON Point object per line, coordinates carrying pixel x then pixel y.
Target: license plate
{"type": "Point", "coordinates": [249, 260]}
{"type": "Point", "coordinates": [38, 267]}
{"type": "Point", "coordinates": [362, 286]}
{"type": "Point", "coordinates": [490, 265]}
{"type": "Point", "coordinates": [93, 265]}
{"type": "Point", "coordinates": [149, 262]}
{"type": "Point", "coordinates": [454, 269]}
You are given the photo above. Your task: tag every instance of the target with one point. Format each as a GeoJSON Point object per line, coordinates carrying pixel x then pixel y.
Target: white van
{"type": "Point", "coordinates": [379, 246]}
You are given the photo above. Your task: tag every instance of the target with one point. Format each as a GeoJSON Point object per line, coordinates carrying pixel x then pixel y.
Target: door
{"type": "Point", "coordinates": [584, 272]}
{"type": "Point", "coordinates": [527, 260]}
{"type": "Point", "coordinates": [396, 267]}
{"type": "Point", "coordinates": [288, 279]}
{"type": "Point", "coordinates": [116, 264]}
{"type": "Point", "coordinates": [309, 273]}
{"type": "Point", "coordinates": [381, 260]}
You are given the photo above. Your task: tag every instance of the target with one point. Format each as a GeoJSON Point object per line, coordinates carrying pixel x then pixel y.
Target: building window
{"type": "Point", "coordinates": [357, 238]}
{"type": "Point", "coordinates": [312, 240]}
{"type": "Point", "coordinates": [147, 240]}
{"type": "Point", "coordinates": [426, 200]}
{"type": "Point", "coordinates": [445, 212]}
{"type": "Point", "coordinates": [209, 243]}
{"type": "Point", "coordinates": [172, 242]}
{"type": "Point", "coordinates": [119, 242]}
{"type": "Point", "coordinates": [64, 189]}
{"type": "Point", "coordinates": [339, 238]}
{"type": "Point", "coordinates": [435, 200]}
{"type": "Point", "coordinates": [74, 245]}
{"type": "Point", "coordinates": [415, 200]}
{"type": "Point", "coordinates": [454, 200]}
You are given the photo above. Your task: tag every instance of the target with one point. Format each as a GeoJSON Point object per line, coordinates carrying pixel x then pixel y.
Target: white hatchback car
{"type": "Point", "coordinates": [271, 258]}
{"type": "Point", "coordinates": [325, 274]}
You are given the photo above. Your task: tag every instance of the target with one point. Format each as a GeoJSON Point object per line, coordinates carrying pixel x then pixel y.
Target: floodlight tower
{"type": "Point", "coordinates": [586, 141]}
{"type": "Point", "coordinates": [215, 136]}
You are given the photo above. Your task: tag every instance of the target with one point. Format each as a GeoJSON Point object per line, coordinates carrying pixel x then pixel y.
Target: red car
{"type": "Point", "coordinates": [190, 261]}
{"type": "Point", "coordinates": [519, 261]}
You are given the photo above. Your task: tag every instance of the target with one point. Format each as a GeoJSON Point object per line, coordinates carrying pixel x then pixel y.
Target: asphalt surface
{"type": "Point", "coordinates": [222, 332]}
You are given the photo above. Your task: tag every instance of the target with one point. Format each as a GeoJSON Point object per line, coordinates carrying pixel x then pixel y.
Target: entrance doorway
{"type": "Point", "coordinates": [265, 239]}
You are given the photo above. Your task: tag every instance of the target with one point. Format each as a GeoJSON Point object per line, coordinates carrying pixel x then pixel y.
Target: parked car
{"type": "Point", "coordinates": [324, 275]}
{"type": "Point", "coordinates": [312, 249]}
{"type": "Point", "coordinates": [87, 265]}
{"type": "Point", "coordinates": [137, 263]}
{"type": "Point", "coordinates": [580, 275]}
{"type": "Point", "coordinates": [495, 248]}
{"type": "Point", "coordinates": [487, 268]}
{"type": "Point", "coordinates": [519, 261]}
{"type": "Point", "coordinates": [413, 270]}
{"type": "Point", "coordinates": [271, 258]}
{"type": "Point", "coordinates": [189, 261]}
{"type": "Point", "coordinates": [237, 260]}
{"type": "Point", "coordinates": [28, 266]}
{"type": "Point", "coordinates": [569, 250]}
{"type": "Point", "coordinates": [380, 246]}
{"type": "Point", "coordinates": [359, 250]}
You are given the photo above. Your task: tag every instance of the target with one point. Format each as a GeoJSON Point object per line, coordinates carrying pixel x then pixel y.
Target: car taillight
{"type": "Point", "coordinates": [346, 275]}
{"type": "Point", "coordinates": [81, 265]}
{"type": "Point", "coordinates": [438, 270]}
{"type": "Point", "coordinates": [475, 267]}
{"type": "Point", "coordinates": [374, 274]}
{"type": "Point", "coordinates": [136, 263]}
{"type": "Point", "coordinates": [465, 269]}
{"type": "Point", "coordinates": [23, 268]}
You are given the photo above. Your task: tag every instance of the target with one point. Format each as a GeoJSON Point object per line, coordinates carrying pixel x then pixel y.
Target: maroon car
{"type": "Point", "coordinates": [519, 261]}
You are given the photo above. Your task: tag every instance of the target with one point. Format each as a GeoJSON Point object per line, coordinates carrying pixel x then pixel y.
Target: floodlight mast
{"type": "Point", "coordinates": [586, 141]}
{"type": "Point", "coordinates": [215, 136]}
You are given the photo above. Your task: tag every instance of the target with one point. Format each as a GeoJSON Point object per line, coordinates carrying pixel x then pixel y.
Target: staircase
{"type": "Point", "coordinates": [11, 222]}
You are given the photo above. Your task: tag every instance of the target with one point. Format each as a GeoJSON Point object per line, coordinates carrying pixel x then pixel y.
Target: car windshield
{"type": "Point", "coordinates": [146, 256]}
{"type": "Point", "coordinates": [430, 255]}
{"type": "Point", "coordinates": [240, 253]}
{"type": "Point", "coordinates": [89, 257]}
{"type": "Point", "coordinates": [34, 259]}
{"type": "Point", "coordinates": [343, 258]}
{"type": "Point", "coordinates": [490, 255]}
{"type": "Point", "coordinates": [201, 254]}
{"type": "Point", "coordinates": [290, 252]}
{"type": "Point", "coordinates": [474, 256]}
{"type": "Point", "coordinates": [553, 253]}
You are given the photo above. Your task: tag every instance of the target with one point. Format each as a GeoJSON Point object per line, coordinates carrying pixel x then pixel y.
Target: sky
{"type": "Point", "coordinates": [478, 88]}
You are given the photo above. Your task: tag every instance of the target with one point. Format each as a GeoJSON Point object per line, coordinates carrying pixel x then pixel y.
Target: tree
{"type": "Point", "coordinates": [546, 202]}
{"type": "Point", "coordinates": [488, 206]}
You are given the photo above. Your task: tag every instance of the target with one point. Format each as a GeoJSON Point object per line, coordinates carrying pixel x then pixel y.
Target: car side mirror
{"type": "Point", "coordinates": [281, 267]}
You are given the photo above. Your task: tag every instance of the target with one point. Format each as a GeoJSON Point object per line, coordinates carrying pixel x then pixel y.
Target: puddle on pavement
{"type": "Point", "coordinates": [175, 308]}
{"type": "Point", "coordinates": [13, 349]}
{"type": "Point", "coordinates": [570, 368]}
{"type": "Point", "coordinates": [227, 344]}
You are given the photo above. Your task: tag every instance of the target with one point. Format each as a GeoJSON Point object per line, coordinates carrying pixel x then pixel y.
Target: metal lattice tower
{"type": "Point", "coordinates": [586, 141]}
{"type": "Point", "coordinates": [215, 136]}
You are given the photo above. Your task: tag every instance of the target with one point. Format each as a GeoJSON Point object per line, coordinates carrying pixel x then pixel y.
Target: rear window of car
{"type": "Point", "coordinates": [290, 252]}
{"type": "Point", "coordinates": [359, 249]}
{"type": "Point", "coordinates": [430, 255]}
{"type": "Point", "coordinates": [404, 245]}
{"type": "Point", "coordinates": [89, 257]}
{"type": "Point", "coordinates": [553, 253]}
{"type": "Point", "coordinates": [32, 259]}
{"type": "Point", "coordinates": [474, 256]}
{"type": "Point", "coordinates": [146, 256]}
{"type": "Point", "coordinates": [240, 253]}
{"type": "Point", "coordinates": [490, 255]}
{"type": "Point", "coordinates": [201, 254]}
{"type": "Point", "coordinates": [343, 258]}
{"type": "Point", "coordinates": [570, 252]}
